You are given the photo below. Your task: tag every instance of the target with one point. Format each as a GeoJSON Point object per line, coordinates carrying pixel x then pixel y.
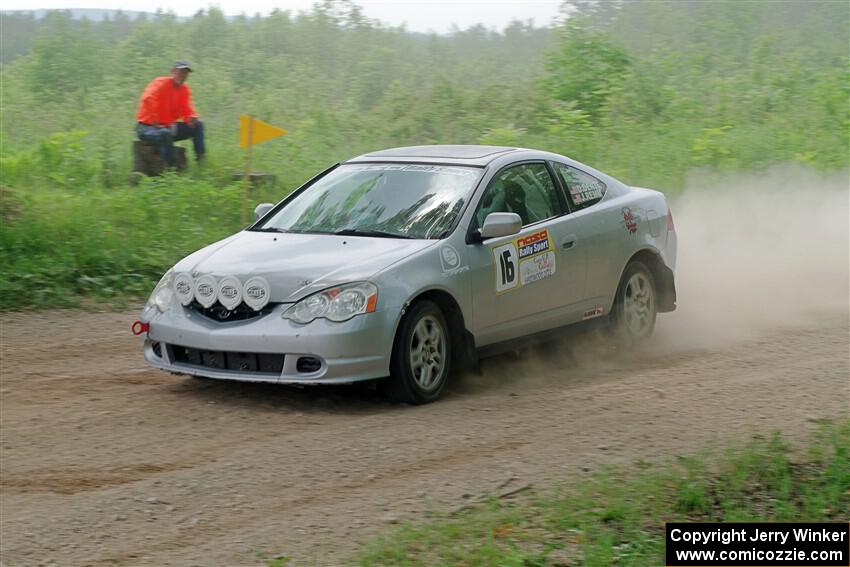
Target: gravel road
{"type": "Point", "coordinates": [107, 462]}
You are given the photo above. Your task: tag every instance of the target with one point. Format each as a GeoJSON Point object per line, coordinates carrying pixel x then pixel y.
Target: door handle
{"type": "Point", "coordinates": [569, 242]}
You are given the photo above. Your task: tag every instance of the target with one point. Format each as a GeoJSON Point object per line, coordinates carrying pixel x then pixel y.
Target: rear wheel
{"type": "Point", "coordinates": [636, 306]}
{"type": "Point", "coordinates": [421, 358]}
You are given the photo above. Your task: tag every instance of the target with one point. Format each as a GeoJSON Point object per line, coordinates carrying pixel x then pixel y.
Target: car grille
{"type": "Point", "coordinates": [218, 312]}
{"type": "Point", "coordinates": [265, 363]}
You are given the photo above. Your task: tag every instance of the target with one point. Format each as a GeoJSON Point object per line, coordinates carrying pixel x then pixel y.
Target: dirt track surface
{"type": "Point", "coordinates": [105, 461]}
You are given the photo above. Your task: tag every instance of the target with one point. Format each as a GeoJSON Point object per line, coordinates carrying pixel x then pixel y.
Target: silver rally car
{"type": "Point", "coordinates": [404, 263]}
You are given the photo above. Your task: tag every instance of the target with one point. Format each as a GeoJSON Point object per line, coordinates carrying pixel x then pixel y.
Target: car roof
{"type": "Point", "coordinates": [476, 156]}
{"type": "Point", "coordinates": [450, 154]}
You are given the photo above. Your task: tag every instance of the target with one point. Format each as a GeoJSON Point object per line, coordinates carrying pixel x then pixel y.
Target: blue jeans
{"type": "Point", "coordinates": [163, 138]}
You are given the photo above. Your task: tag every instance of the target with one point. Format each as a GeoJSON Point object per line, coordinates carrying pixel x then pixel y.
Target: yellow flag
{"type": "Point", "coordinates": [253, 131]}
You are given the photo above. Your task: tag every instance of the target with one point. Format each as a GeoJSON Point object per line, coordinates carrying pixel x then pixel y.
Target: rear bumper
{"type": "Point", "coordinates": [358, 349]}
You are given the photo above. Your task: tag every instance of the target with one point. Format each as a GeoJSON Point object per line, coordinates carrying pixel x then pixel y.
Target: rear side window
{"type": "Point", "coordinates": [584, 190]}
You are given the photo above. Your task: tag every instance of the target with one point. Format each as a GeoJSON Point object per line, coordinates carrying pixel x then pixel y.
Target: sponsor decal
{"type": "Point", "coordinates": [536, 268]}
{"type": "Point", "coordinates": [456, 271]}
{"type": "Point", "coordinates": [583, 192]}
{"type": "Point", "coordinates": [526, 260]}
{"type": "Point", "coordinates": [184, 288]}
{"type": "Point", "coordinates": [230, 292]}
{"type": "Point", "coordinates": [459, 171]}
{"type": "Point", "coordinates": [629, 220]}
{"type": "Point", "coordinates": [449, 258]}
{"type": "Point", "coordinates": [533, 244]}
{"type": "Point", "coordinates": [256, 293]}
{"type": "Point", "coordinates": [591, 313]}
{"type": "Point", "coordinates": [205, 290]}
{"type": "Point", "coordinates": [451, 261]}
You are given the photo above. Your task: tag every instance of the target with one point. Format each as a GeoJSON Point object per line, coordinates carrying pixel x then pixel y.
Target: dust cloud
{"type": "Point", "coordinates": [758, 253]}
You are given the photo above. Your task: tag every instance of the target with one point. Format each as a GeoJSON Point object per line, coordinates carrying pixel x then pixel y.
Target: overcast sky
{"type": "Point", "coordinates": [418, 15]}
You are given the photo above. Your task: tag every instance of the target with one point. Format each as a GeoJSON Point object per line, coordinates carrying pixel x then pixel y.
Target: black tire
{"type": "Point", "coordinates": [635, 306]}
{"type": "Point", "coordinates": [421, 359]}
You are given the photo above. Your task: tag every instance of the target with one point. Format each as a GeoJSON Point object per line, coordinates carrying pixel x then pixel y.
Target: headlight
{"type": "Point", "coordinates": [337, 303]}
{"type": "Point", "coordinates": [162, 294]}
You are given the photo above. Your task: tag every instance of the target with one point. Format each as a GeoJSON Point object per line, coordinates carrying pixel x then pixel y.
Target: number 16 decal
{"type": "Point", "coordinates": [505, 258]}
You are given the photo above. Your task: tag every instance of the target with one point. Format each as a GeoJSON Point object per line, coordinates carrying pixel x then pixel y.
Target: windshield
{"type": "Point", "coordinates": [390, 200]}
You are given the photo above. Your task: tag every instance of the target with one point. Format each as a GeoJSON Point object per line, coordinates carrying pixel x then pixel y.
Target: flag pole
{"type": "Point", "coordinates": [246, 178]}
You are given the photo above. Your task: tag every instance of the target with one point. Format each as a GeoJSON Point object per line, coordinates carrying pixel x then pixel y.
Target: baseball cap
{"type": "Point", "coordinates": [181, 64]}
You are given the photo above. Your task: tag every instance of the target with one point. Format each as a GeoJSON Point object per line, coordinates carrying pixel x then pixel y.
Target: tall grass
{"type": "Point", "coordinates": [58, 244]}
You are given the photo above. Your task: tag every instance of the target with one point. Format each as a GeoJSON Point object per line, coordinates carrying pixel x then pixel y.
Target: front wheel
{"type": "Point", "coordinates": [421, 357]}
{"type": "Point", "coordinates": [635, 307]}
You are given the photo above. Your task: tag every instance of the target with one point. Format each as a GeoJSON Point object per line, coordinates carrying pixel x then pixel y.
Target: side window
{"type": "Point", "coordinates": [526, 190]}
{"type": "Point", "coordinates": [584, 190]}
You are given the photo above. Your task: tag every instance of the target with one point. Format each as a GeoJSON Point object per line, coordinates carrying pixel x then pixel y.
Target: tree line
{"type": "Point", "coordinates": [679, 84]}
{"type": "Point", "coordinates": [647, 90]}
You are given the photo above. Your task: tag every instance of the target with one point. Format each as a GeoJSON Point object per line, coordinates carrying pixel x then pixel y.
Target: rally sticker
{"type": "Point", "coordinates": [591, 313]}
{"type": "Point", "coordinates": [630, 220]}
{"type": "Point", "coordinates": [183, 287]}
{"type": "Point", "coordinates": [536, 268]}
{"type": "Point", "coordinates": [584, 192]}
{"type": "Point", "coordinates": [205, 290]}
{"type": "Point", "coordinates": [256, 293]}
{"type": "Point", "coordinates": [449, 258]}
{"type": "Point", "coordinates": [230, 292]}
{"type": "Point", "coordinates": [526, 260]}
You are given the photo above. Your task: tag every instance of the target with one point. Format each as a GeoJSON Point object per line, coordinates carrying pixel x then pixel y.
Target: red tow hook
{"type": "Point", "coordinates": [138, 328]}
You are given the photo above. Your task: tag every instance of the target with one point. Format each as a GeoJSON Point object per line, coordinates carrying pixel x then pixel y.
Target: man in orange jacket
{"type": "Point", "coordinates": [165, 101]}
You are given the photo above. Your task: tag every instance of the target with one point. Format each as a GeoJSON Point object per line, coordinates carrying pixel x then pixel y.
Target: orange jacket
{"type": "Point", "coordinates": [163, 103]}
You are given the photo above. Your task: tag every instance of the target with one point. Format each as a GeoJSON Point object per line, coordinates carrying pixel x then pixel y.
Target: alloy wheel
{"type": "Point", "coordinates": [639, 305]}
{"type": "Point", "coordinates": [427, 353]}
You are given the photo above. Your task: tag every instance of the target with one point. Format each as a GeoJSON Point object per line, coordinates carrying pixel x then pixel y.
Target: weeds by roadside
{"type": "Point", "coordinates": [617, 516]}
{"type": "Point", "coordinates": [63, 244]}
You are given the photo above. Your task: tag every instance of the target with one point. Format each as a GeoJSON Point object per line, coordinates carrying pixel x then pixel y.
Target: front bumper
{"type": "Point", "coordinates": [357, 349]}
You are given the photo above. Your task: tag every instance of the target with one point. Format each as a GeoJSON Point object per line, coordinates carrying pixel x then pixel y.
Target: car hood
{"type": "Point", "coordinates": [297, 265]}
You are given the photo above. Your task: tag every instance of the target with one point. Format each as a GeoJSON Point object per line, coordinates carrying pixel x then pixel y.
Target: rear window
{"type": "Point", "coordinates": [583, 189]}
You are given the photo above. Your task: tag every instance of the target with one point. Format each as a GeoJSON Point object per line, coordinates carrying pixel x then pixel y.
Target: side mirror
{"type": "Point", "coordinates": [501, 224]}
{"type": "Point", "coordinates": [261, 210]}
